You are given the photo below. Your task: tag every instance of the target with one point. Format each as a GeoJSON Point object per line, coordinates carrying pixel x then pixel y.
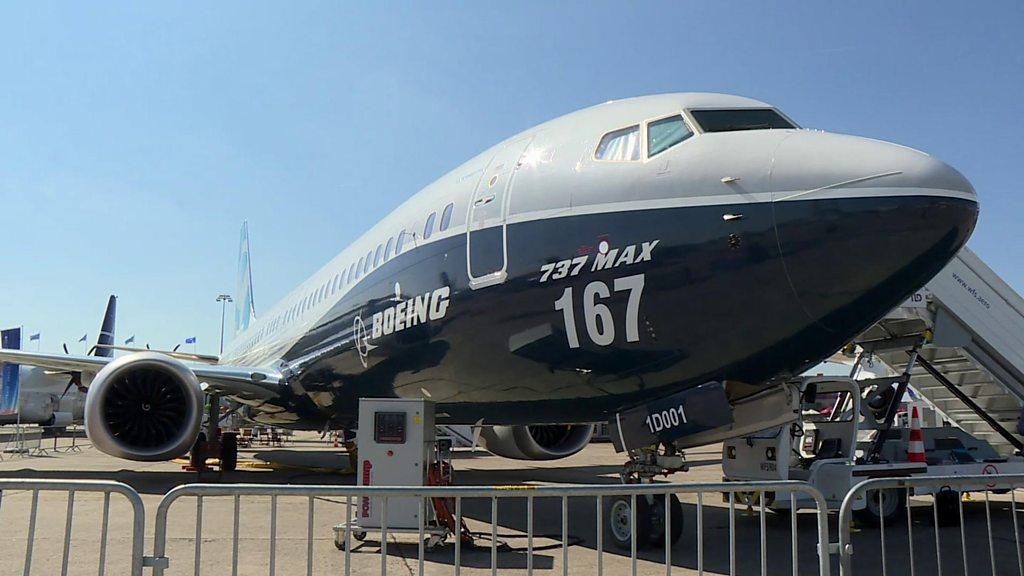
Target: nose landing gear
{"type": "Point", "coordinates": [653, 515]}
{"type": "Point", "coordinates": [650, 520]}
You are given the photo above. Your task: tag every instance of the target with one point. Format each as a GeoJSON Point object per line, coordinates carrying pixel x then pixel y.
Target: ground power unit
{"type": "Point", "coordinates": [396, 447]}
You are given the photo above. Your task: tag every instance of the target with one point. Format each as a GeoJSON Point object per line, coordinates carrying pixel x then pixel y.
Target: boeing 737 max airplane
{"type": "Point", "coordinates": [605, 260]}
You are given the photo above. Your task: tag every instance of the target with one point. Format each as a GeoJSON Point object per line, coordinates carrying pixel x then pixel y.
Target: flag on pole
{"type": "Point", "coordinates": [33, 337]}
{"type": "Point", "coordinates": [130, 340]}
{"type": "Point", "coordinates": [84, 337]}
{"type": "Point", "coordinates": [190, 340]}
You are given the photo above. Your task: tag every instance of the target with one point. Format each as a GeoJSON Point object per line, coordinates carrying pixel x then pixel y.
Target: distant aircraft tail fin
{"type": "Point", "coordinates": [245, 312]}
{"type": "Point", "coordinates": [106, 337]}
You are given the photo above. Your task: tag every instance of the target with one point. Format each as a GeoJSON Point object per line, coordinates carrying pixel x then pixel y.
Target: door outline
{"type": "Point", "coordinates": [483, 194]}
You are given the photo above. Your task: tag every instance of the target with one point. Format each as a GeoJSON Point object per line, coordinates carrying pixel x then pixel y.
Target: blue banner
{"type": "Point", "coordinates": [10, 383]}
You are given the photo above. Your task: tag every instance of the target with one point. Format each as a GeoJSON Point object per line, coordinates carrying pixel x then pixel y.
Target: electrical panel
{"type": "Point", "coordinates": [396, 447]}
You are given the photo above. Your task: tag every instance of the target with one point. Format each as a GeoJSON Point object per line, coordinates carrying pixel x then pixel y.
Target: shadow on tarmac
{"type": "Point", "coordinates": [470, 556]}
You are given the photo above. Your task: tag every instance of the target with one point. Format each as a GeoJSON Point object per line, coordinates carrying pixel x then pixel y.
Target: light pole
{"type": "Point", "coordinates": [223, 299]}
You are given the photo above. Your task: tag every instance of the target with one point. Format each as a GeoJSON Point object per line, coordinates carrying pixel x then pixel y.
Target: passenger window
{"type": "Point", "coordinates": [446, 217]}
{"type": "Point", "coordinates": [359, 268]}
{"type": "Point", "coordinates": [400, 243]}
{"type": "Point", "coordinates": [352, 272]}
{"type": "Point", "coordinates": [378, 255]}
{"type": "Point", "coordinates": [369, 261]}
{"type": "Point", "coordinates": [666, 133]}
{"type": "Point", "coordinates": [387, 249]}
{"type": "Point", "coordinates": [620, 146]}
{"type": "Point", "coordinates": [428, 228]}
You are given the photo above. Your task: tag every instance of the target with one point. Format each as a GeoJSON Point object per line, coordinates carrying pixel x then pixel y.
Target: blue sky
{"type": "Point", "coordinates": [135, 138]}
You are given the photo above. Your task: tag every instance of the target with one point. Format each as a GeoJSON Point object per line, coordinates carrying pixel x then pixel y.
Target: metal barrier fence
{"type": "Point", "coordinates": [544, 505]}
{"type": "Point", "coordinates": [732, 492]}
{"type": "Point", "coordinates": [947, 494]}
{"type": "Point", "coordinates": [8, 488]}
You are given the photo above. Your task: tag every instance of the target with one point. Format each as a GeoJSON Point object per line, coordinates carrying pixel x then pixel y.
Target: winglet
{"type": "Point", "coordinates": [245, 311]}
{"type": "Point", "coordinates": [106, 338]}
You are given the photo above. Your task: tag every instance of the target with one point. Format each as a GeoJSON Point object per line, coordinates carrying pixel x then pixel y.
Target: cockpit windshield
{"type": "Point", "coordinates": [740, 119]}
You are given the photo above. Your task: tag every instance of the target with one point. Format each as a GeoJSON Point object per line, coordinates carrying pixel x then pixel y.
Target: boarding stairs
{"type": "Point", "coordinates": [969, 326]}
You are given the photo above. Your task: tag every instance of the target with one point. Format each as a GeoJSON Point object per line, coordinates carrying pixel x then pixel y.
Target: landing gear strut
{"type": "Point", "coordinates": [650, 523]}
{"type": "Point", "coordinates": [213, 443]}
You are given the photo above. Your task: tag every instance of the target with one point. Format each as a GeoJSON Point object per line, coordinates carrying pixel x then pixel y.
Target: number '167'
{"type": "Point", "coordinates": [598, 317]}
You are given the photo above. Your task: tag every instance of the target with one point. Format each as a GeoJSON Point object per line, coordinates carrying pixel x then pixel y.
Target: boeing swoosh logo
{"type": "Point", "coordinates": [362, 339]}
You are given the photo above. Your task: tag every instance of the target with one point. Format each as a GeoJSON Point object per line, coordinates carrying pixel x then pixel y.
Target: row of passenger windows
{"type": "Point", "coordinates": [384, 252]}
{"type": "Point", "coordinates": [624, 145]}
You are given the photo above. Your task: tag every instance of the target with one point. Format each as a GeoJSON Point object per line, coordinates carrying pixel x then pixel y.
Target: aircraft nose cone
{"type": "Point", "coordinates": [862, 224]}
{"type": "Point", "coordinates": [820, 164]}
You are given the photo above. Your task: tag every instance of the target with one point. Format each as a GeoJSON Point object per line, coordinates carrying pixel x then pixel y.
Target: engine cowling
{"type": "Point", "coordinates": [144, 406]}
{"type": "Point", "coordinates": [538, 442]}
{"type": "Point", "coordinates": [59, 420]}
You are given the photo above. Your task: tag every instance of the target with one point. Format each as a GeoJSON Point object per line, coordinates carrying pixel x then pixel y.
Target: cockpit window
{"type": "Point", "coordinates": [666, 133]}
{"type": "Point", "coordinates": [742, 119]}
{"type": "Point", "coordinates": [620, 146]}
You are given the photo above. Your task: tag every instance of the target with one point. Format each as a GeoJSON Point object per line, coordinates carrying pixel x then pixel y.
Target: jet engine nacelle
{"type": "Point", "coordinates": [59, 420]}
{"type": "Point", "coordinates": [35, 407]}
{"type": "Point", "coordinates": [541, 442]}
{"type": "Point", "coordinates": [144, 406]}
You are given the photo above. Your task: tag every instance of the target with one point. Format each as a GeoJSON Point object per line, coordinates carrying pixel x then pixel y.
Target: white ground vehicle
{"type": "Point", "coordinates": [831, 444]}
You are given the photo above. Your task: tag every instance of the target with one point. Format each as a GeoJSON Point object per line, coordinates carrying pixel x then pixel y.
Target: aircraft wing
{"type": "Point", "coordinates": [59, 362]}
{"type": "Point", "coordinates": [246, 382]}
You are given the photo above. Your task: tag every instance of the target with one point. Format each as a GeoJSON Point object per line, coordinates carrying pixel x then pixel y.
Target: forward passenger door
{"type": "Point", "coordinates": [486, 246]}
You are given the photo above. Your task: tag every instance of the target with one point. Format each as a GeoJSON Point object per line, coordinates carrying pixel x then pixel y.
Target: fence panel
{"type": "Point", "coordinates": [246, 529]}
{"type": "Point", "coordinates": [944, 525]}
{"type": "Point", "coordinates": [21, 509]}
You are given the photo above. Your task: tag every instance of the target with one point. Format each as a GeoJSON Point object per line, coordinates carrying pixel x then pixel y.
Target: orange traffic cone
{"type": "Point", "coordinates": [915, 449]}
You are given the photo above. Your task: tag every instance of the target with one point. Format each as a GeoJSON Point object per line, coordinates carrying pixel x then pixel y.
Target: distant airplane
{"type": "Point", "coordinates": [668, 254]}
{"type": "Point", "coordinates": [57, 397]}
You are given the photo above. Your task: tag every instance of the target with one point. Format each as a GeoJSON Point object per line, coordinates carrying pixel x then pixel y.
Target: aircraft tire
{"type": "Point", "coordinates": [196, 458]}
{"type": "Point", "coordinates": [228, 452]}
{"type": "Point", "coordinates": [891, 508]}
{"type": "Point", "coordinates": [620, 520]}
{"type": "Point", "coordinates": [658, 520]}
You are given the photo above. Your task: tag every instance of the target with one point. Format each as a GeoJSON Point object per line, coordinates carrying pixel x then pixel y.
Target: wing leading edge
{"type": "Point", "coordinates": [250, 383]}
